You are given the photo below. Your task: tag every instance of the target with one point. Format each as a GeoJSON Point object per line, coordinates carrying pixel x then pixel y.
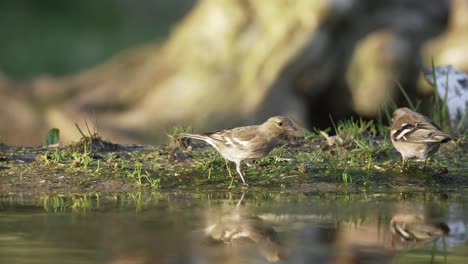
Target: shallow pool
{"type": "Point", "coordinates": [235, 227]}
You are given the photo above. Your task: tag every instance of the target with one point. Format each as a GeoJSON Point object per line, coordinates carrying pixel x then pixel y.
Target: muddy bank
{"type": "Point", "coordinates": [302, 164]}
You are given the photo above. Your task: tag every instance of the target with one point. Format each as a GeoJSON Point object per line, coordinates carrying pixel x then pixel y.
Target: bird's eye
{"type": "Point", "coordinates": [280, 123]}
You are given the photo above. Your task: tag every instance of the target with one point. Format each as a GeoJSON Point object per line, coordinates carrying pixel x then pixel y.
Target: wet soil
{"type": "Point", "coordinates": [300, 165]}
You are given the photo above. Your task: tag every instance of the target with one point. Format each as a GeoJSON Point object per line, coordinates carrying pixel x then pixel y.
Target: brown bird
{"type": "Point", "coordinates": [415, 136]}
{"type": "Point", "coordinates": [248, 142]}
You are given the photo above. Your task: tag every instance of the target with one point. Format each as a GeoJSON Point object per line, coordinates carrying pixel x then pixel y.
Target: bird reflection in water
{"type": "Point", "coordinates": [411, 230]}
{"type": "Point", "coordinates": [239, 230]}
{"type": "Point", "coordinates": [237, 233]}
{"type": "Point", "coordinates": [376, 241]}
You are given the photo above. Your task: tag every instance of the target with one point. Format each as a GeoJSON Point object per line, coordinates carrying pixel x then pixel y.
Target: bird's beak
{"type": "Point", "coordinates": [292, 128]}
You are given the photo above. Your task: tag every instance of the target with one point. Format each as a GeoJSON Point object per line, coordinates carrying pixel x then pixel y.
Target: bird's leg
{"type": "Point", "coordinates": [230, 184]}
{"type": "Point", "coordinates": [230, 175]}
{"type": "Point", "coordinates": [403, 164]}
{"type": "Point", "coordinates": [227, 167]}
{"type": "Point", "coordinates": [238, 168]}
{"type": "Point", "coordinates": [240, 200]}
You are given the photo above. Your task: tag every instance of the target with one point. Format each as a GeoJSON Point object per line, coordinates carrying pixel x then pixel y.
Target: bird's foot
{"type": "Point", "coordinates": [231, 185]}
{"type": "Point", "coordinates": [249, 163]}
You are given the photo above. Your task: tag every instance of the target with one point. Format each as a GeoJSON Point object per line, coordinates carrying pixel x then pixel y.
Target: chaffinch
{"type": "Point", "coordinates": [415, 136]}
{"type": "Point", "coordinates": [248, 142]}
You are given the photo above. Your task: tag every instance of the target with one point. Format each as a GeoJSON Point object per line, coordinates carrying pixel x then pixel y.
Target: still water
{"type": "Point", "coordinates": [250, 227]}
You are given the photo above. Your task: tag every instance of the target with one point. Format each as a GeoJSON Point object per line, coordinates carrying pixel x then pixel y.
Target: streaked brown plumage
{"type": "Point", "coordinates": [415, 136]}
{"type": "Point", "coordinates": [248, 142]}
{"type": "Point", "coordinates": [408, 229]}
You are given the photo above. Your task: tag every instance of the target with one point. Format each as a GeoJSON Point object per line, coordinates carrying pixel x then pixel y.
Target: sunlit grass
{"type": "Point", "coordinates": [354, 152]}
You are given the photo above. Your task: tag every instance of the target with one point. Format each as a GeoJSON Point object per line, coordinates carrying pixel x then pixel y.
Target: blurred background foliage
{"type": "Point", "coordinates": [61, 37]}
{"type": "Point", "coordinates": [134, 70]}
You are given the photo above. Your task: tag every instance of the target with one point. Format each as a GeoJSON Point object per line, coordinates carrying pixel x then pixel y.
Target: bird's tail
{"type": "Point", "coordinates": [194, 136]}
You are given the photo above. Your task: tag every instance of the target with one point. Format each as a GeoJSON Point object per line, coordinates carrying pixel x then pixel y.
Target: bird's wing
{"type": "Point", "coordinates": [244, 134]}
{"type": "Point", "coordinates": [421, 132]}
{"type": "Point", "coordinates": [244, 137]}
{"type": "Point", "coordinates": [238, 138]}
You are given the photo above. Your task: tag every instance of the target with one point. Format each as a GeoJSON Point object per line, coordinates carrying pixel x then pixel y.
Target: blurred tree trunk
{"type": "Point", "coordinates": [235, 62]}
